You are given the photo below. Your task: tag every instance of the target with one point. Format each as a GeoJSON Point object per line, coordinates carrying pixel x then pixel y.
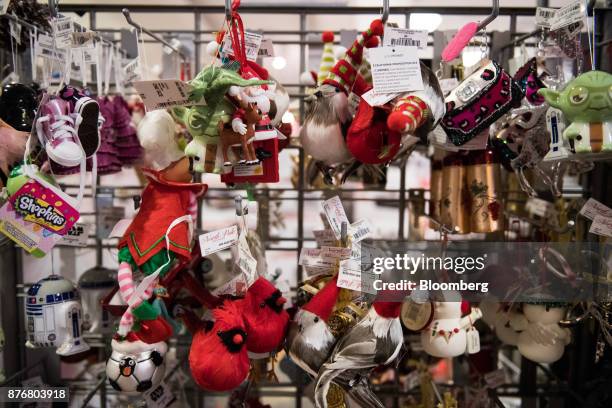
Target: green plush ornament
{"type": "Point", "coordinates": [211, 84]}
{"type": "Point", "coordinates": [586, 102]}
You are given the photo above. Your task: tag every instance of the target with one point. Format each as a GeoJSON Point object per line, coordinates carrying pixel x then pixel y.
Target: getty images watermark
{"type": "Point", "coordinates": [405, 263]}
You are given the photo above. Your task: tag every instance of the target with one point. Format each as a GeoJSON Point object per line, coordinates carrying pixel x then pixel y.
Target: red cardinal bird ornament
{"type": "Point", "coordinates": [218, 357]}
{"type": "Point", "coordinates": [264, 317]}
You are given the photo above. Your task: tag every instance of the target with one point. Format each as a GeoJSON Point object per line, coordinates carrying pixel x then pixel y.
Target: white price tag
{"type": "Point", "coordinates": [245, 261]}
{"type": "Point", "coordinates": [324, 237]}
{"type": "Point", "coordinates": [15, 29]}
{"type": "Point", "coordinates": [131, 72]}
{"type": "Point", "coordinates": [45, 48]}
{"type": "Point", "coordinates": [77, 235]}
{"type": "Point", "coordinates": [360, 230]}
{"type": "Point", "coordinates": [473, 341]}
{"type": "Point", "coordinates": [593, 208]}
{"type": "Point", "coordinates": [160, 397]}
{"type": "Point", "coordinates": [395, 69]}
{"type": "Point", "coordinates": [236, 287]}
{"type": "Point", "coordinates": [252, 43]}
{"type": "Point", "coordinates": [62, 30]}
{"type": "Point", "coordinates": [402, 37]}
{"type": "Point", "coordinates": [570, 14]}
{"type": "Point", "coordinates": [267, 48]}
{"type": "Point", "coordinates": [164, 93]}
{"type": "Point", "coordinates": [539, 207]}
{"type": "Point", "coordinates": [334, 211]}
{"type": "Point", "coordinates": [448, 84]}
{"type": "Point", "coordinates": [89, 56]}
{"type": "Point", "coordinates": [544, 16]}
{"type": "Point", "coordinates": [83, 39]}
{"type": "Point", "coordinates": [374, 99]}
{"type": "Point", "coordinates": [601, 225]}
{"type": "Point", "coordinates": [351, 277]}
{"type": "Point", "coordinates": [335, 252]}
{"type": "Point", "coordinates": [219, 240]}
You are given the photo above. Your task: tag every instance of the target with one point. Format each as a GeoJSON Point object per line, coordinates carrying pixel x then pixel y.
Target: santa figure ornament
{"type": "Point", "coordinates": [264, 316]}
{"type": "Point", "coordinates": [376, 339]}
{"type": "Point", "coordinates": [218, 356]}
{"type": "Point", "coordinates": [328, 116]}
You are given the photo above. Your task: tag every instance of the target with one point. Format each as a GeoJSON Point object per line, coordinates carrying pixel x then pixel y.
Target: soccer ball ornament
{"type": "Point", "coordinates": [135, 367]}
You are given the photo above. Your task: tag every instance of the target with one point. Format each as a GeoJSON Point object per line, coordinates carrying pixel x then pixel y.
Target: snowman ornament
{"type": "Point", "coordinates": [449, 334]}
{"type": "Point", "coordinates": [543, 341]}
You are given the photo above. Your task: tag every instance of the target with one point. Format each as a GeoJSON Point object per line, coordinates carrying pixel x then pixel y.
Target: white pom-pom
{"type": "Point", "coordinates": [307, 79]}
{"type": "Point", "coordinates": [156, 135]}
{"type": "Point", "coordinates": [339, 52]}
{"type": "Point", "coordinates": [212, 47]}
{"type": "Point", "coordinates": [234, 90]}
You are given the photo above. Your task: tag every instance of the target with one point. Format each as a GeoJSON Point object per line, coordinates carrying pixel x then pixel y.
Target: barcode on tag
{"type": "Point", "coordinates": [165, 93]}
{"type": "Point", "coordinates": [402, 37]}
{"type": "Point", "coordinates": [252, 45]}
{"type": "Point", "coordinates": [404, 42]}
{"type": "Point", "coordinates": [131, 72]}
{"type": "Point", "coordinates": [360, 230]}
{"type": "Point", "coordinates": [570, 14]}
{"type": "Point", "coordinates": [544, 16]}
{"type": "Point", "coordinates": [267, 48]}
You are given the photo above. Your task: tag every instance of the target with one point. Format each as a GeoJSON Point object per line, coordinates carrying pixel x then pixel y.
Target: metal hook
{"type": "Point", "coordinates": [53, 7]}
{"type": "Point", "coordinates": [490, 17]}
{"type": "Point", "coordinates": [344, 234]}
{"type": "Point", "coordinates": [128, 18]}
{"type": "Point", "coordinates": [228, 10]}
{"type": "Point", "coordinates": [385, 13]}
{"type": "Point", "coordinates": [240, 210]}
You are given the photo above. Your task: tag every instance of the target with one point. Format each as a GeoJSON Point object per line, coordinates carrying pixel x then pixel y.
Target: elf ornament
{"type": "Point", "coordinates": [447, 335]}
{"type": "Point", "coordinates": [218, 356]}
{"type": "Point", "coordinates": [543, 341]}
{"type": "Point", "coordinates": [160, 232]}
{"type": "Point", "coordinates": [264, 317]}
{"type": "Point", "coordinates": [327, 117]}
{"type": "Point", "coordinates": [376, 339]}
{"type": "Point", "coordinates": [587, 103]}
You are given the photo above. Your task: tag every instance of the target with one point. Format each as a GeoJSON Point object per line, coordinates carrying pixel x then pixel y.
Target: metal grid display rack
{"type": "Point", "coordinates": [527, 388]}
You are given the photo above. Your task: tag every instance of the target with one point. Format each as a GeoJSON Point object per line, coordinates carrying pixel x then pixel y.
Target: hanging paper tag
{"type": "Point", "coordinates": [324, 237]}
{"type": "Point", "coordinates": [15, 29]}
{"type": "Point", "coordinates": [351, 277]}
{"type": "Point", "coordinates": [267, 49]}
{"type": "Point", "coordinates": [538, 207]}
{"type": "Point", "coordinates": [570, 14]}
{"type": "Point", "coordinates": [593, 208]}
{"type": "Point", "coordinates": [402, 37]}
{"type": "Point", "coordinates": [131, 72]}
{"type": "Point", "coordinates": [4, 6]}
{"type": "Point", "coordinates": [252, 44]}
{"type": "Point", "coordinates": [448, 84]}
{"type": "Point", "coordinates": [334, 211]}
{"type": "Point", "coordinates": [336, 252]}
{"type": "Point", "coordinates": [245, 261]}
{"type": "Point", "coordinates": [165, 93]}
{"type": "Point", "coordinates": [544, 16]}
{"type": "Point", "coordinates": [601, 225]}
{"type": "Point", "coordinates": [360, 230]}
{"type": "Point", "coordinates": [395, 69]}
{"type": "Point", "coordinates": [120, 227]}
{"type": "Point", "coordinates": [45, 48]}
{"type": "Point", "coordinates": [89, 56]}
{"type": "Point", "coordinates": [374, 99]}
{"type": "Point", "coordinates": [160, 397]}
{"type": "Point", "coordinates": [314, 263]}
{"type": "Point", "coordinates": [416, 316]}
{"type": "Point", "coordinates": [83, 39]}
{"type": "Point", "coordinates": [473, 340]}
{"type": "Point", "coordinates": [62, 31]}
{"type": "Point", "coordinates": [219, 240]}
{"type": "Point", "coordinates": [77, 235]}
{"type": "Point", "coordinates": [236, 287]}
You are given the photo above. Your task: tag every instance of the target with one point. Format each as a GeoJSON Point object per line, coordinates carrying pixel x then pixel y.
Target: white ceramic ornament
{"type": "Point", "coordinates": [446, 336]}
{"type": "Point", "coordinates": [508, 325]}
{"type": "Point", "coordinates": [54, 316]}
{"type": "Point", "coordinates": [543, 341]}
{"type": "Point", "coordinates": [94, 285]}
{"type": "Point", "coordinates": [135, 367]}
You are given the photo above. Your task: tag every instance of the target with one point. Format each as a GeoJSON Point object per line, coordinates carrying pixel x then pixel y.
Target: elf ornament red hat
{"type": "Point", "coordinates": [218, 357]}
{"type": "Point", "coordinates": [344, 75]}
{"type": "Point", "coordinates": [264, 317]}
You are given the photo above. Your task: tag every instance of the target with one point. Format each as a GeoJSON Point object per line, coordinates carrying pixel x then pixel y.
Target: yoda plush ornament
{"type": "Point", "coordinates": [587, 103]}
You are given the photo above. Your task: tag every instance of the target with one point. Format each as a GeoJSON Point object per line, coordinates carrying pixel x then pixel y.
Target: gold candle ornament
{"type": "Point", "coordinates": [483, 182]}
{"type": "Point", "coordinates": [453, 211]}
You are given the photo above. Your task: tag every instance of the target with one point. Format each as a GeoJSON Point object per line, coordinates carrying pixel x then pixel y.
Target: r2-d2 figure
{"type": "Point", "coordinates": [53, 315]}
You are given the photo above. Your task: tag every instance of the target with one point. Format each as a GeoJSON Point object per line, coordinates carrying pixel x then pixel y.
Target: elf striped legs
{"type": "Point", "coordinates": [126, 290]}
{"type": "Point", "coordinates": [408, 114]}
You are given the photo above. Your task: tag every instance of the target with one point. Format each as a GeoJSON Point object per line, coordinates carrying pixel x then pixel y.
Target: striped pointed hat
{"type": "Point", "coordinates": [327, 58]}
{"type": "Point", "coordinates": [344, 74]}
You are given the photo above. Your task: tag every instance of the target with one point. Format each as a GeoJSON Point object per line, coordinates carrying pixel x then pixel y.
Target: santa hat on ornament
{"type": "Point", "coordinates": [389, 303]}
{"type": "Point", "coordinates": [327, 57]}
{"type": "Point", "coordinates": [156, 133]}
{"type": "Point", "coordinates": [322, 304]}
{"type": "Point", "coordinates": [345, 74]}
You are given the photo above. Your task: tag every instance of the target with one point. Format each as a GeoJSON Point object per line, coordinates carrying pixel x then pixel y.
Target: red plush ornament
{"type": "Point", "coordinates": [265, 319]}
{"type": "Point", "coordinates": [369, 139]}
{"type": "Point", "coordinates": [327, 36]}
{"type": "Point", "coordinates": [218, 357]}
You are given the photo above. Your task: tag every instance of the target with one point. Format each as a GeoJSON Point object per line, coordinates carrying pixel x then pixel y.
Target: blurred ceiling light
{"type": "Point", "coordinates": [425, 21]}
{"type": "Point", "coordinates": [279, 63]}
